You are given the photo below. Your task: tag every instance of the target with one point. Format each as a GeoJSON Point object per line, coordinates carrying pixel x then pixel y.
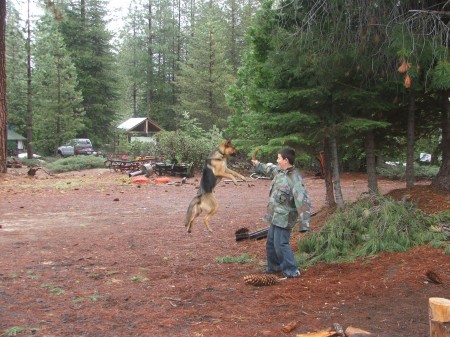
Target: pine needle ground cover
{"type": "Point", "coordinates": [372, 225]}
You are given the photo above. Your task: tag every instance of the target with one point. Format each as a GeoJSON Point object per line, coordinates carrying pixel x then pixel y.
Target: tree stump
{"type": "Point", "coordinates": [439, 312]}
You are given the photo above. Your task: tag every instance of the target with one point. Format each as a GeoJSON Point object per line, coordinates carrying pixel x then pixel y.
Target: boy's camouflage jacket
{"type": "Point", "coordinates": [288, 199]}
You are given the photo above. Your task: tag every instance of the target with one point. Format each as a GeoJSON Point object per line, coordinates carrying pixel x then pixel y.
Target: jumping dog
{"type": "Point", "coordinates": [215, 169]}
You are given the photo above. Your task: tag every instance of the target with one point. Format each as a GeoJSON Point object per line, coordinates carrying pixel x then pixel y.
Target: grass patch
{"type": "Point", "coordinates": [57, 291]}
{"type": "Point", "coordinates": [370, 226]}
{"type": "Point", "coordinates": [18, 330]}
{"type": "Point", "coordinates": [53, 288]}
{"type": "Point", "coordinates": [138, 278]}
{"type": "Point", "coordinates": [244, 258]}
{"type": "Point", "coordinates": [92, 298]}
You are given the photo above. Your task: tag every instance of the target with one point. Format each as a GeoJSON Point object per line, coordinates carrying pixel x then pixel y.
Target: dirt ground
{"type": "Point", "coordinates": [91, 254]}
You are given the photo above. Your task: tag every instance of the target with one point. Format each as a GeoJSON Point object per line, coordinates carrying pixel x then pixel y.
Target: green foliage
{"type": "Point", "coordinates": [181, 146]}
{"type": "Point", "coordinates": [57, 291]}
{"type": "Point", "coordinates": [58, 112]}
{"type": "Point", "coordinates": [123, 145]}
{"type": "Point", "coordinates": [368, 227]}
{"type": "Point", "coordinates": [244, 258]}
{"type": "Point", "coordinates": [139, 278]}
{"type": "Point", "coordinates": [75, 163]}
{"type": "Point", "coordinates": [441, 76]}
{"type": "Point", "coordinates": [16, 69]}
{"type": "Point", "coordinates": [14, 331]}
{"type": "Point", "coordinates": [398, 172]}
{"type": "Point", "coordinates": [202, 80]}
{"type": "Point", "coordinates": [138, 148]}
{"type": "Point", "coordinates": [89, 43]}
{"type": "Point", "coordinates": [190, 125]}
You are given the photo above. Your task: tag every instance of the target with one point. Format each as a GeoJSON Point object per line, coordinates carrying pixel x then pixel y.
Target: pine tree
{"type": "Point", "coordinates": [58, 111]}
{"type": "Point", "coordinates": [16, 68]}
{"type": "Point", "coordinates": [206, 75]}
{"type": "Point", "coordinates": [89, 44]}
{"type": "Point", "coordinates": [132, 62]}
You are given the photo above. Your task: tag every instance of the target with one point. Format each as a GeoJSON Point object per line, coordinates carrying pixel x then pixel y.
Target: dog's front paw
{"type": "Point", "coordinates": [243, 178]}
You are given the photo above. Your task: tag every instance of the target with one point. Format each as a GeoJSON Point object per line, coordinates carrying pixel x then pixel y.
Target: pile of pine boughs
{"type": "Point", "coordinates": [372, 225]}
{"type": "Point", "coordinates": [398, 172]}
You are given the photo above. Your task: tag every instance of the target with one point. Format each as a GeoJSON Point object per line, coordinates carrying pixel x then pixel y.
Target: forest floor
{"type": "Point", "coordinates": [91, 254]}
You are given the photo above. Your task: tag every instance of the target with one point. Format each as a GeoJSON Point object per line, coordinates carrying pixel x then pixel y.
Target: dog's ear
{"type": "Point", "coordinates": [228, 141]}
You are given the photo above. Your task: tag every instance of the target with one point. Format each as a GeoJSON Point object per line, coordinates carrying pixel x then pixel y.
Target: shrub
{"type": "Point", "coordinates": [75, 163]}
{"type": "Point", "coordinates": [140, 149]}
{"type": "Point", "coordinates": [180, 146]}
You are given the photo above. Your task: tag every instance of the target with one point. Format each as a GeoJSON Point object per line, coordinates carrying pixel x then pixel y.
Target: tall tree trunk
{"type": "Point", "coordinates": [150, 59]}
{"type": "Point", "coordinates": [83, 10]}
{"type": "Point", "coordinates": [328, 172]}
{"type": "Point", "coordinates": [233, 42]}
{"type": "Point", "coordinates": [59, 111]}
{"type": "Point", "coordinates": [371, 162]}
{"type": "Point", "coordinates": [336, 177]}
{"type": "Point", "coordinates": [134, 89]}
{"type": "Point", "coordinates": [442, 180]}
{"type": "Point", "coordinates": [410, 141]}
{"type": "Point", "coordinates": [3, 110]}
{"type": "Point", "coordinates": [29, 92]}
{"type": "Point", "coordinates": [179, 33]}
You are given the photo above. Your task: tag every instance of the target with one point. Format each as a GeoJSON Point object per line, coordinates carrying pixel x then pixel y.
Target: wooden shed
{"type": "Point", "coordinates": [15, 143]}
{"type": "Point", "coordinates": [140, 128]}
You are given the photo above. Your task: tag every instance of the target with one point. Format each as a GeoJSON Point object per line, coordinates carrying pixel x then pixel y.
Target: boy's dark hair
{"type": "Point", "coordinates": [289, 154]}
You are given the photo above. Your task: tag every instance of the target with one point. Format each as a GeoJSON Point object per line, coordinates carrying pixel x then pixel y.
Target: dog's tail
{"type": "Point", "coordinates": [195, 201]}
{"type": "Point", "coordinates": [255, 153]}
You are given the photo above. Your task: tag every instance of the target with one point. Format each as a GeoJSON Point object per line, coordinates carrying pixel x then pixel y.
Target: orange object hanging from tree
{"type": "Point", "coordinates": [404, 66]}
{"type": "Point", "coordinates": [407, 82]}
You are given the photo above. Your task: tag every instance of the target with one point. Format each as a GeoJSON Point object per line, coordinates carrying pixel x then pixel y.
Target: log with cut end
{"type": "Point", "coordinates": [356, 332]}
{"type": "Point", "coordinates": [323, 333]}
{"type": "Point", "coordinates": [439, 311]}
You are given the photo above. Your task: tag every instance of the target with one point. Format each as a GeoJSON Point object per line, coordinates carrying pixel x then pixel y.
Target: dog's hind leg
{"type": "Point", "coordinates": [192, 213]}
{"type": "Point", "coordinates": [211, 206]}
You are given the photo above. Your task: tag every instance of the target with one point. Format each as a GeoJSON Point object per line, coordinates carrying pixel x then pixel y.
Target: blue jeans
{"type": "Point", "coordinates": [279, 252]}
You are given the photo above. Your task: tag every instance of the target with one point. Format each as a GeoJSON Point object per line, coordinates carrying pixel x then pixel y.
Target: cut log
{"type": "Point", "coordinates": [356, 332]}
{"type": "Point", "coordinates": [439, 313]}
{"type": "Point", "coordinates": [323, 333]}
{"type": "Point", "coordinates": [439, 309]}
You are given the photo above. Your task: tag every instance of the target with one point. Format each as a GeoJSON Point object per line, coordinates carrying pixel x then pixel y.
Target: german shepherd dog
{"type": "Point", "coordinates": [215, 169]}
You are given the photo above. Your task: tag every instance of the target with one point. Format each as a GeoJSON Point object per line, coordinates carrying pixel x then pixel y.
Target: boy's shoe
{"type": "Point", "coordinates": [303, 228]}
{"type": "Point", "coordinates": [295, 275]}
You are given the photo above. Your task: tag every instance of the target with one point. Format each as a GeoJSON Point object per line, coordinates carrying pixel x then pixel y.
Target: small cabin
{"type": "Point", "coordinates": [140, 128]}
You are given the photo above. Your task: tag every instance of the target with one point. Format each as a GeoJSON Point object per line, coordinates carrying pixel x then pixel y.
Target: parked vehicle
{"type": "Point", "coordinates": [79, 146]}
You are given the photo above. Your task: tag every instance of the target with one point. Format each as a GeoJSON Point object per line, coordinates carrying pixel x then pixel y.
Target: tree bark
{"type": "Point", "coordinates": [29, 91]}
{"type": "Point", "coordinates": [3, 109]}
{"type": "Point", "coordinates": [442, 180]}
{"type": "Point", "coordinates": [328, 173]}
{"type": "Point", "coordinates": [371, 162]}
{"type": "Point", "coordinates": [150, 57]}
{"type": "Point", "coordinates": [336, 177]}
{"type": "Point", "coordinates": [410, 141]}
